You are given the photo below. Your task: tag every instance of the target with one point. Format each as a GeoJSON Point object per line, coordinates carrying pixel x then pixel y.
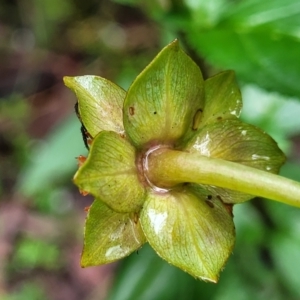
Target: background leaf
{"type": "Point", "coordinates": [146, 276]}
{"type": "Point", "coordinates": [50, 162]}
{"type": "Point", "coordinates": [259, 40]}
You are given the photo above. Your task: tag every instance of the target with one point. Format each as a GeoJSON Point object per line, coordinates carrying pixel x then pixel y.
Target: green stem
{"type": "Point", "coordinates": [170, 167]}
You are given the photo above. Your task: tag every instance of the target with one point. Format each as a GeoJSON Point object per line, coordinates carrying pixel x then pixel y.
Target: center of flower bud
{"type": "Point", "coordinates": [143, 167]}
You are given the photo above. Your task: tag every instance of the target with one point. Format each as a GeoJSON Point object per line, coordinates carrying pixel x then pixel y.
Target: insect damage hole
{"type": "Point", "coordinates": [131, 110]}
{"type": "Point", "coordinates": [197, 118]}
{"type": "Point", "coordinates": [209, 203]}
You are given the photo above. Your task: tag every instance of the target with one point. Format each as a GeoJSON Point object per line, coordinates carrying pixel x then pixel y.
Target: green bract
{"type": "Point", "coordinates": [167, 106]}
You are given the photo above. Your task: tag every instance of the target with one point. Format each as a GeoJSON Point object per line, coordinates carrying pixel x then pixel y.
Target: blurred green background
{"type": "Point", "coordinates": [41, 211]}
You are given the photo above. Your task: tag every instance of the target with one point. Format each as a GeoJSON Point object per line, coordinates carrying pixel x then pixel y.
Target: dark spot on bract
{"type": "Point", "coordinates": [219, 118]}
{"type": "Point", "coordinates": [155, 113]}
{"type": "Point", "coordinates": [131, 110]}
{"type": "Point", "coordinates": [219, 197]}
{"type": "Point", "coordinates": [209, 197]}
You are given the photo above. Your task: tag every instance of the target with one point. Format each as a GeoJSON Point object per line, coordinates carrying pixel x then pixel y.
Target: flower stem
{"type": "Point", "coordinates": [168, 167]}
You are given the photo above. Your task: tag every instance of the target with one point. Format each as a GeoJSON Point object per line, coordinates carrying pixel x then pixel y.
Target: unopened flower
{"type": "Point", "coordinates": [168, 106]}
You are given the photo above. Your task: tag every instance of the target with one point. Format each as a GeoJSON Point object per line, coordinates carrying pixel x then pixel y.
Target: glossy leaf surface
{"type": "Point", "coordinates": [161, 102]}
{"type": "Point", "coordinates": [188, 232]}
{"type": "Point", "coordinates": [239, 142]}
{"type": "Point", "coordinates": [222, 101]}
{"type": "Point", "coordinates": [100, 103]}
{"type": "Point", "coordinates": [109, 236]}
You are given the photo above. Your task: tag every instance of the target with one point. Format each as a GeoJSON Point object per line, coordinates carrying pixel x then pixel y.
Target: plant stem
{"type": "Point", "coordinates": [166, 168]}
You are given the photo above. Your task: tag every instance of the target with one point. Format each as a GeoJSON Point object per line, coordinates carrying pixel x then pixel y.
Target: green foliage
{"type": "Point", "coordinates": [145, 276]}
{"type": "Point", "coordinates": [48, 16]}
{"type": "Point", "coordinates": [32, 291]}
{"type": "Point", "coordinates": [275, 113]}
{"type": "Point", "coordinates": [45, 168]}
{"type": "Point", "coordinates": [33, 253]}
{"type": "Point", "coordinates": [260, 42]}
